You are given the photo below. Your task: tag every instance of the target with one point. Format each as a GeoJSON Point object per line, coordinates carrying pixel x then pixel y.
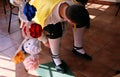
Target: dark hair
{"type": "Point", "coordinates": [78, 14]}
{"type": "Point", "coordinates": [84, 2]}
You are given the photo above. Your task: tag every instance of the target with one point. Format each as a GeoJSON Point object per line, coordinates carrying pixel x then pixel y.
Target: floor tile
{"type": "Point", "coordinates": [109, 73]}
{"type": "Point", "coordinates": [1, 36]}
{"type": "Point", "coordinates": [7, 67]}
{"type": "Point", "coordinates": [10, 52]}
{"type": "Point", "coordinates": [106, 58]}
{"type": "Point", "coordinates": [16, 36]}
{"type": "Point", "coordinates": [93, 69]}
{"type": "Point", "coordinates": [20, 71]}
{"type": "Point", "coordinates": [6, 43]}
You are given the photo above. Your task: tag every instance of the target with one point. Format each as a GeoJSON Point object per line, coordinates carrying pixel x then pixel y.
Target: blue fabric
{"type": "Point", "coordinates": [29, 11]}
{"type": "Point", "coordinates": [23, 49]}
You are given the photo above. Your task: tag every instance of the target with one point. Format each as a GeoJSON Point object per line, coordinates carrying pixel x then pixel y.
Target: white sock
{"type": "Point", "coordinates": [82, 51]}
{"type": "Point", "coordinates": [57, 61]}
{"type": "Point", "coordinates": [78, 39]}
{"type": "Point", "coordinates": [55, 49]}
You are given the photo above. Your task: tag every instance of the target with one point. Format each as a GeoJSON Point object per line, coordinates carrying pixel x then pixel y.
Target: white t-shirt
{"type": "Point", "coordinates": [55, 16]}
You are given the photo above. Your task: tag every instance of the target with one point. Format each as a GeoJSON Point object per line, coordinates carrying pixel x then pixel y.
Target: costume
{"type": "Point", "coordinates": [30, 48]}
{"type": "Point", "coordinates": [46, 14]}
{"type": "Point", "coordinates": [33, 35]}
{"type": "Point", "coordinates": [50, 16]}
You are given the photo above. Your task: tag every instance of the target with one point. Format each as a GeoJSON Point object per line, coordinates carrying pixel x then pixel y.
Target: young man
{"type": "Point", "coordinates": [51, 14]}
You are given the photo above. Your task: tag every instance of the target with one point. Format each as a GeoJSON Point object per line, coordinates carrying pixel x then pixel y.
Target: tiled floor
{"type": "Point", "coordinates": [101, 41]}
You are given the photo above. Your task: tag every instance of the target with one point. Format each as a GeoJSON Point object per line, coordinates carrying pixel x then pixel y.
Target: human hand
{"type": "Point", "coordinates": [47, 44]}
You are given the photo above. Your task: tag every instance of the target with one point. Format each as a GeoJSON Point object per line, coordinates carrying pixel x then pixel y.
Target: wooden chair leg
{"type": "Point", "coordinates": [4, 4]}
{"type": "Point", "coordinates": [10, 16]}
{"type": "Point", "coordinates": [118, 9]}
{"type": "Point", "coordinates": [10, 21]}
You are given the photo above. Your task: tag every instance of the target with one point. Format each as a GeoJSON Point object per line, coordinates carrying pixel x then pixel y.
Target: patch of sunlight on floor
{"type": "Point", "coordinates": [7, 67]}
{"type": "Point", "coordinates": [92, 16]}
{"type": "Point", "coordinates": [93, 5]}
{"type": "Point", "coordinates": [33, 72]}
{"type": "Point", "coordinates": [97, 6]}
{"type": "Point", "coordinates": [104, 7]}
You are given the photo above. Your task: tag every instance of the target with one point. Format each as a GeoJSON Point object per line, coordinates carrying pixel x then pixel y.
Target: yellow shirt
{"type": "Point", "coordinates": [44, 9]}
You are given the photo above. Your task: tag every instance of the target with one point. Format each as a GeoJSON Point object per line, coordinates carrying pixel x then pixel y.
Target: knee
{"type": "Point", "coordinates": [53, 30]}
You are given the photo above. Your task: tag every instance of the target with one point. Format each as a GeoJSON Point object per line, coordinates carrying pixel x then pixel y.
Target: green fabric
{"type": "Point", "coordinates": [48, 70]}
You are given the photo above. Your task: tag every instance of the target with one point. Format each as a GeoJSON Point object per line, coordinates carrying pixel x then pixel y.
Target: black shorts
{"type": "Point", "coordinates": [54, 30]}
